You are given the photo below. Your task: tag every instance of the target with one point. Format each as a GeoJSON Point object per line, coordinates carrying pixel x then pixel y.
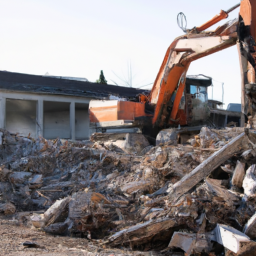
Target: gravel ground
{"type": "Point", "coordinates": [13, 235]}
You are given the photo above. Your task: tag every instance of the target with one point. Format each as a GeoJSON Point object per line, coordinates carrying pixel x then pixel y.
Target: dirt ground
{"type": "Point", "coordinates": [13, 235]}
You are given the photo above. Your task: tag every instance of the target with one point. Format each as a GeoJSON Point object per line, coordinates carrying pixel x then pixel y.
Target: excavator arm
{"type": "Point", "coordinates": [172, 74]}
{"type": "Point", "coordinates": [198, 43]}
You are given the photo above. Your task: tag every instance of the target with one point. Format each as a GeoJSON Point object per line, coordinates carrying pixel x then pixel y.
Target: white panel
{"type": "Point", "coordinates": [200, 44]}
{"type": "Point", "coordinates": [102, 103]}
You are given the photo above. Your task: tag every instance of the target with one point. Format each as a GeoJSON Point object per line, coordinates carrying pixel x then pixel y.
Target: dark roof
{"type": "Point", "coordinates": [48, 85]}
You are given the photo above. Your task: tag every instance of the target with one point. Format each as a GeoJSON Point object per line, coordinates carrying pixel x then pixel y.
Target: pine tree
{"type": "Point", "coordinates": [101, 79]}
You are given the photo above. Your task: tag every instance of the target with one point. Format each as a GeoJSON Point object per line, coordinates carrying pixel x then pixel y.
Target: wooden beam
{"type": "Point", "coordinates": [206, 167]}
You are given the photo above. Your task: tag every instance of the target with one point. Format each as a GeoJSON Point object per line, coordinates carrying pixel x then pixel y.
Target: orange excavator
{"type": "Point", "coordinates": [169, 102]}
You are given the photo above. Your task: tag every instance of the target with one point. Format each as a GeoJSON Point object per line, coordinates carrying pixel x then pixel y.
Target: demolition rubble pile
{"type": "Point", "coordinates": [170, 198]}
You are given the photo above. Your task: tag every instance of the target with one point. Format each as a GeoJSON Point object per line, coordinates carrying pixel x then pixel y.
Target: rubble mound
{"type": "Point", "coordinates": [198, 198]}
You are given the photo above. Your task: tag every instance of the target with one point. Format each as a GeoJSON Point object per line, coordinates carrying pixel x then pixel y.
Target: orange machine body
{"type": "Point", "coordinates": [116, 110]}
{"type": "Point", "coordinates": [170, 83]}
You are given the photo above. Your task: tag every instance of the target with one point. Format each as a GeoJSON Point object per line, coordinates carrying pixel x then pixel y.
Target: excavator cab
{"type": "Point", "coordinates": [196, 99]}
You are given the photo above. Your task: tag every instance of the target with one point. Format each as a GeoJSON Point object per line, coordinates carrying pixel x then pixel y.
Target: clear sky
{"type": "Point", "coordinates": [81, 37]}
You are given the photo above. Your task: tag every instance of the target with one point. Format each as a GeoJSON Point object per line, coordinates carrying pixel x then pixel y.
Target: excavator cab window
{"type": "Point", "coordinates": [193, 89]}
{"type": "Point", "coordinates": [202, 94]}
{"type": "Point", "coordinates": [198, 92]}
{"type": "Point", "coordinates": [196, 99]}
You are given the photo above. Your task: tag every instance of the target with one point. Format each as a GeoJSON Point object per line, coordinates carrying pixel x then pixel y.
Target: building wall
{"type": "Point", "coordinates": [56, 124]}
{"type": "Point", "coordinates": [56, 120]}
{"type": "Point", "coordinates": [21, 116]}
{"type": "Point", "coordinates": [50, 116]}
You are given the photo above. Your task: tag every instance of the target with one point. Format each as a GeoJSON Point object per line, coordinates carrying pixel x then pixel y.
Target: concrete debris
{"type": "Point", "coordinates": [229, 237]}
{"type": "Point", "coordinates": [126, 143]}
{"type": "Point", "coordinates": [249, 182]}
{"type": "Point", "coordinates": [165, 199]}
{"type": "Point", "coordinates": [208, 138]}
{"type": "Point", "coordinates": [184, 241]}
{"type": "Point", "coordinates": [191, 243]}
{"type": "Point", "coordinates": [169, 136]}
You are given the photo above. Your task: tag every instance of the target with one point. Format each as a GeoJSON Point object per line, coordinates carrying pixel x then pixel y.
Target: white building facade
{"type": "Point", "coordinates": [51, 107]}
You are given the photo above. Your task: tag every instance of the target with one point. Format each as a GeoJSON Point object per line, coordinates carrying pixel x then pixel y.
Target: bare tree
{"type": "Point", "coordinates": [127, 80]}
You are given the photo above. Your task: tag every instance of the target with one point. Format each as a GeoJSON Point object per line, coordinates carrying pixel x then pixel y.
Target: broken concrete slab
{"type": "Point", "coordinates": [184, 241]}
{"type": "Point", "coordinates": [36, 179]}
{"type": "Point", "coordinates": [167, 136]}
{"type": "Point", "coordinates": [132, 143]}
{"type": "Point", "coordinates": [191, 243]}
{"type": "Point", "coordinates": [230, 237]}
{"type": "Point", "coordinates": [19, 177]}
{"type": "Point", "coordinates": [135, 142]}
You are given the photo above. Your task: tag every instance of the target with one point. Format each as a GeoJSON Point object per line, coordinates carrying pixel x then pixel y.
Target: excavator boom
{"type": "Point", "coordinates": [172, 74]}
